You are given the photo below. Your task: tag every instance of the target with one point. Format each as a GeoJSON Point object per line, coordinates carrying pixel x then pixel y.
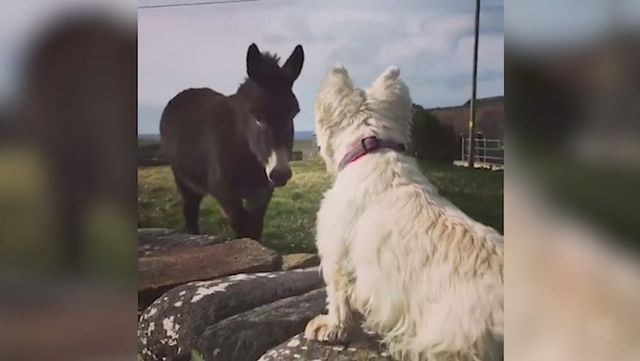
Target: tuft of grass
{"type": "Point", "coordinates": [290, 219]}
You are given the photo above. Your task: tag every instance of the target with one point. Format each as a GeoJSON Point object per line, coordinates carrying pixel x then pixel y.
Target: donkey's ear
{"type": "Point", "coordinates": [293, 65]}
{"type": "Point", "coordinates": [254, 62]}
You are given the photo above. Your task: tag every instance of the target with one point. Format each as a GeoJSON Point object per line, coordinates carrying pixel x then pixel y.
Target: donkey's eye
{"type": "Point", "coordinates": [258, 123]}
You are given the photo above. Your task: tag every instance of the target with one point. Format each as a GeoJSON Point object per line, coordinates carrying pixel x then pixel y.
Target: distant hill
{"type": "Point", "coordinates": [303, 135]}
{"type": "Point", "coordinates": [489, 117]}
{"type": "Point", "coordinates": [149, 136]}
{"type": "Point", "coordinates": [150, 154]}
{"type": "Point", "coordinates": [148, 139]}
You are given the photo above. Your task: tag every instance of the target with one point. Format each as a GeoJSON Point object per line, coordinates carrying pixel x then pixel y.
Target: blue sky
{"type": "Point", "coordinates": [431, 42]}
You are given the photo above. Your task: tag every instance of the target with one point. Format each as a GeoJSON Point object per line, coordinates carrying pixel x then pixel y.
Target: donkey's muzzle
{"type": "Point", "coordinates": [280, 176]}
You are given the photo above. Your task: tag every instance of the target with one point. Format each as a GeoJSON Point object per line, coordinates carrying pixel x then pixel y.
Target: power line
{"type": "Point", "coordinates": [194, 4]}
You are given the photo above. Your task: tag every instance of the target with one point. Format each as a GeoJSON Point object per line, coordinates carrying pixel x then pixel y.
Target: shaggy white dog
{"type": "Point", "coordinates": [424, 275]}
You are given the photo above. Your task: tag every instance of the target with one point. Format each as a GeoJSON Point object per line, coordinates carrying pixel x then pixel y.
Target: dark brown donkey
{"type": "Point", "coordinates": [234, 147]}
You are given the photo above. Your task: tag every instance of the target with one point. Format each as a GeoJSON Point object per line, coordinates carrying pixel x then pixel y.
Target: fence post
{"type": "Point", "coordinates": [484, 150]}
{"type": "Point", "coordinates": [472, 102]}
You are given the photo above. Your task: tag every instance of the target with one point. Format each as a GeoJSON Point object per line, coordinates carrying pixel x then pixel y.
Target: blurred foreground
{"type": "Point", "coordinates": [571, 189]}
{"type": "Point", "coordinates": [67, 182]}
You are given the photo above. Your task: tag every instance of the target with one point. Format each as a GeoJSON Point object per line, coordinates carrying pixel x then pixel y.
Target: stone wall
{"type": "Point", "coordinates": [204, 298]}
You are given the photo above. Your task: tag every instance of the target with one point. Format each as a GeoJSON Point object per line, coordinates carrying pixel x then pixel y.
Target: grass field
{"type": "Point", "coordinates": [290, 219]}
{"type": "Point", "coordinates": [305, 144]}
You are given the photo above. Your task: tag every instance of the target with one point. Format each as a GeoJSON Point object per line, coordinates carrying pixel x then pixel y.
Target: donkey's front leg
{"type": "Point", "coordinates": [256, 206]}
{"type": "Point", "coordinates": [235, 213]}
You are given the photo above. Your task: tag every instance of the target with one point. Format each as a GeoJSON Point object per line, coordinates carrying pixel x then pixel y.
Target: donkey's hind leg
{"type": "Point", "coordinates": [190, 205]}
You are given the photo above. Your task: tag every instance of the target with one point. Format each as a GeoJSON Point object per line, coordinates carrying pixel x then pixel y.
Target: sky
{"type": "Point", "coordinates": [430, 40]}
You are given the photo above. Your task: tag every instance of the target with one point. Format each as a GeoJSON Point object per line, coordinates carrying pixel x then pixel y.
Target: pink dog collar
{"type": "Point", "coordinates": [368, 145]}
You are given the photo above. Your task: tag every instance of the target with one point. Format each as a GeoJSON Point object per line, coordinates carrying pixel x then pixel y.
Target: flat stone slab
{"type": "Point", "coordinates": [299, 260]}
{"type": "Point", "coordinates": [170, 327]}
{"type": "Point", "coordinates": [363, 347]}
{"type": "Point", "coordinates": [158, 239]}
{"type": "Point", "coordinates": [246, 336]}
{"type": "Point", "coordinates": [162, 269]}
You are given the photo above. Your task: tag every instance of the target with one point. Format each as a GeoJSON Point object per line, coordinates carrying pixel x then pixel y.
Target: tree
{"type": "Point", "coordinates": [430, 139]}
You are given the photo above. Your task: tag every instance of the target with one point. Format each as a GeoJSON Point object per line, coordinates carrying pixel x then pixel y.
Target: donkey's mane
{"type": "Point", "coordinates": [270, 63]}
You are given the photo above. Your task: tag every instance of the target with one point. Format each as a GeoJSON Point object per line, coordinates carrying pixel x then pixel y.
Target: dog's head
{"type": "Point", "coordinates": [343, 112]}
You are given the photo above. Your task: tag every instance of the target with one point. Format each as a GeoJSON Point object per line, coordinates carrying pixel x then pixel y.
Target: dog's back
{"type": "Point", "coordinates": [425, 275]}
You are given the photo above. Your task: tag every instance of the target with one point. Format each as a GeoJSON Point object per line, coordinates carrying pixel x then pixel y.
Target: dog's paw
{"type": "Point", "coordinates": [322, 328]}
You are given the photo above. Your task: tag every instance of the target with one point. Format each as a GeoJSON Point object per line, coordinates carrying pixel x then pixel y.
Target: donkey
{"type": "Point", "coordinates": [234, 147]}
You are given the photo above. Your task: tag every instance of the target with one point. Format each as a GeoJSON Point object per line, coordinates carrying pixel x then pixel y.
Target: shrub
{"type": "Point", "coordinates": [430, 139]}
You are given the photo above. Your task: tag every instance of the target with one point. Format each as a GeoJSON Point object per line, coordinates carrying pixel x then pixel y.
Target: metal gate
{"type": "Point", "coordinates": [489, 152]}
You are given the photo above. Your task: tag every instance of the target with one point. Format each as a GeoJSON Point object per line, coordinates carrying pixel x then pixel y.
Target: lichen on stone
{"type": "Point", "coordinates": [203, 291]}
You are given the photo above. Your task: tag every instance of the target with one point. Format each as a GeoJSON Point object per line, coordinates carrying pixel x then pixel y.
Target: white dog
{"type": "Point", "coordinates": [424, 275]}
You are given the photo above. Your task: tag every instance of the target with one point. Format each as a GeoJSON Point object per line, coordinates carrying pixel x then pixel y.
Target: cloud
{"type": "Point", "coordinates": [431, 42]}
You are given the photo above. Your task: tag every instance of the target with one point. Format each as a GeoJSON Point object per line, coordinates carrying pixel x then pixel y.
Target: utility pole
{"type": "Point", "coordinates": [472, 103]}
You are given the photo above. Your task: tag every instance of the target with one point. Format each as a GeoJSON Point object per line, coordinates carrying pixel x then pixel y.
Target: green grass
{"type": "Point", "coordinates": [303, 144]}
{"type": "Point", "coordinates": [31, 245]}
{"type": "Point", "coordinates": [478, 192]}
{"type": "Point", "coordinates": [290, 219]}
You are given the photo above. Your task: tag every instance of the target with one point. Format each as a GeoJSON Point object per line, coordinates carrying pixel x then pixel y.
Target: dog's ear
{"type": "Point", "coordinates": [388, 78]}
{"type": "Point", "coordinates": [338, 79]}
{"type": "Point", "coordinates": [338, 93]}
{"type": "Point", "coordinates": [389, 98]}
{"type": "Point", "coordinates": [338, 99]}
{"type": "Point", "coordinates": [389, 88]}
{"type": "Point", "coordinates": [335, 103]}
